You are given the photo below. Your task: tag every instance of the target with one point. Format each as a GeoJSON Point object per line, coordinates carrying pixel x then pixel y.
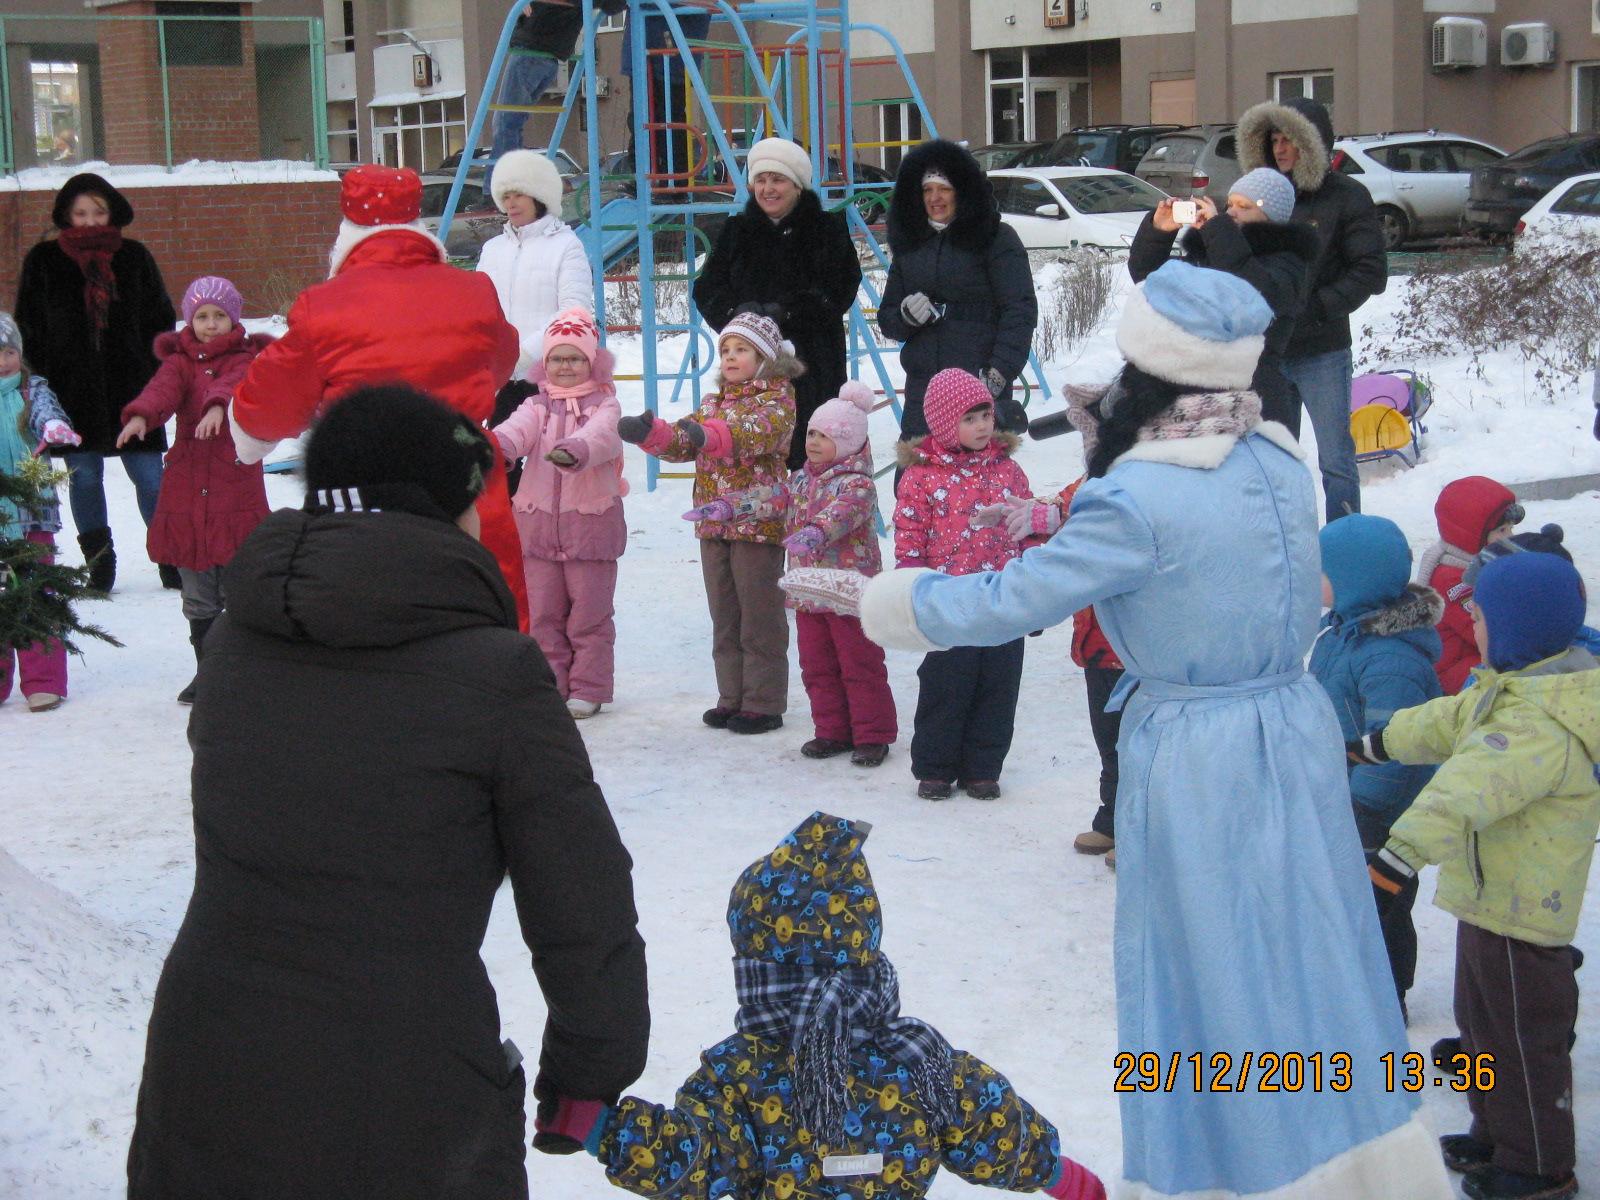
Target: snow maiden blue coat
{"type": "Point", "coordinates": [1245, 925]}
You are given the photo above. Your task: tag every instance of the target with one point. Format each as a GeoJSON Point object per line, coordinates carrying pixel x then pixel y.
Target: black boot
{"type": "Point", "coordinates": [100, 557]}
{"type": "Point", "coordinates": [170, 579]}
{"type": "Point", "coordinates": [197, 636]}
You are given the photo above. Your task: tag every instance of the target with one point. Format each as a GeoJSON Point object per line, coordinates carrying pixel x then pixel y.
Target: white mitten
{"type": "Point", "coordinates": [837, 590]}
{"type": "Point", "coordinates": [59, 433]}
{"type": "Point", "coordinates": [989, 515]}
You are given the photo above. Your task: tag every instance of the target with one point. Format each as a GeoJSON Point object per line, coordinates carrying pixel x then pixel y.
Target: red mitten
{"type": "Point", "coordinates": [1076, 1182]}
{"type": "Point", "coordinates": [565, 1125]}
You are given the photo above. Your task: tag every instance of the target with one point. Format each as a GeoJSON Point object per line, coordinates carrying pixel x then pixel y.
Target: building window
{"type": "Point", "coordinates": [202, 43]}
{"type": "Point", "coordinates": [611, 22]}
{"type": "Point", "coordinates": [419, 136]}
{"type": "Point", "coordinates": [898, 121]}
{"type": "Point", "coordinates": [1586, 98]}
{"type": "Point", "coordinates": [58, 112]}
{"type": "Point", "coordinates": [347, 42]}
{"type": "Point", "coordinates": [1312, 85]}
{"type": "Point", "coordinates": [1027, 105]}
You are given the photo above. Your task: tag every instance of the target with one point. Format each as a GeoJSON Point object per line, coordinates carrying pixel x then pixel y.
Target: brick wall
{"type": "Point", "coordinates": [270, 239]}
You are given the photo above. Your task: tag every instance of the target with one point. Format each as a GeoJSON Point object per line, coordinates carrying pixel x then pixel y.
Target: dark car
{"type": "Point", "coordinates": [1501, 193]}
{"type": "Point", "coordinates": [1119, 147]}
{"type": "Point", "coordinates": [1004, 154]}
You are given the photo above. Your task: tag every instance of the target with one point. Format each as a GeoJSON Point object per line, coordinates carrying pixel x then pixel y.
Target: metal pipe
{"type": "Point", "coordinates": [319, 93]}
{"type": "Point", "coordinates": [166, 95]}
{"type": "Point", "coordinates": [490, 84]}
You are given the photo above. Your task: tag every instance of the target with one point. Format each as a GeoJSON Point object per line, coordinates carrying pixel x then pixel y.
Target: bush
{"type": "Point", "coordinates": [1540, 301]}
{"type": "Point", "coordinates": [1074, 300]}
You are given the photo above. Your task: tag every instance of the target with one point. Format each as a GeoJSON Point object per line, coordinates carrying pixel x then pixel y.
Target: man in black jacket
{"type": "Point", "coordinates": [544, 38]}
{"type": "Point", "coordinates": [1297, 138]}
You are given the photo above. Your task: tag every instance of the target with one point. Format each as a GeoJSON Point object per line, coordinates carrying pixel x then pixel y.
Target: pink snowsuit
{"type": "Point", "coordinates": [844, 672]}
{"type": "Point", "coordinates": [570, 523]}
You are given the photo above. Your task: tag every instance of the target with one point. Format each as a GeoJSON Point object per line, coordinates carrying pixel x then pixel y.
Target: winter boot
{"type": "Point", "coordinates": [1493, 1183]}
{"type": "Point", "coordinates": [582, 710]}
{"type": "Point", "coordinates": [717, 717]}
{"type": "Point", "coordinates": [197, 636]}
{"type": "Point", "coordinates": [170, 579]}
{"type": "Point", "coordinates": [754, 722]}
{"type": "Point", "coordinates": [870, 754]}
{"type": "Point", "coordinates": [1463, 1152]}
{"type": "Point", "coordinates": [982, 789]}
{"type": "Point", "coordinates": [935, 789]}
{"type": "Point", "coordinates": [1092, 842]}
{"type": "Point", "coordinates": [100, 557]}
{"type": "Point", "coordinates": [825, 748]}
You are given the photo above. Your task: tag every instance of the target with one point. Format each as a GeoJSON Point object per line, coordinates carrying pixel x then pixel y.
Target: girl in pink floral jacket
{"type": "Point", "coordinates": [568, 507]}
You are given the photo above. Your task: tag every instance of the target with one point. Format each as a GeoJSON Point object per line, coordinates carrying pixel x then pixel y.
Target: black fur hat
{"type": "Point", "coordinates": [88, 181]}
{"type": "Point", "coordinates": [977, 218]}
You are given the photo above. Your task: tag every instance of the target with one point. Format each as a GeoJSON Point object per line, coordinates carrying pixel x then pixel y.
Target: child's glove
{"type": "Point", "coordinates": [919, 310]}
{"type": "Point", "coordinates": [989, 515]}
{"type": "Point", "coordinates": [806, 541]}
{"type": "Point", "coordinates": [694, 431]}
{"type": "Point", "coordinates": [715, 510]}
{"type": "Point", "coordinates": [1076, 1182]}
{"type": "Point", "coordinates": [1368, 751]}
{"type": "Point", "coordinates": [562, 458]}
{"type": "Point", "coordinates": [1030, 517]}
{"type": "Point", "coordinates": [837, 590]}
{"type": "Point", "coordinates": [997, 383]}
{"type": "Point", "coordinates": [59, 433]}
{"type": "Point", "coordinates": [1390, 873]}
{"type": "Point", "coordinates": [634, 430]}
{"type": "Point", "coordinates": [565, 1126]}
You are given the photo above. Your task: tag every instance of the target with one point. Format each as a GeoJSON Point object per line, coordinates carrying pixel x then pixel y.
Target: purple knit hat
{"type": "Point", "coordinates": [212, 289]}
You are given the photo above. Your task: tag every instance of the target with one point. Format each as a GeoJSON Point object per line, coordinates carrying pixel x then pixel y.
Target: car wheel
{"type": "Point", "coordinates": [1395, 227]}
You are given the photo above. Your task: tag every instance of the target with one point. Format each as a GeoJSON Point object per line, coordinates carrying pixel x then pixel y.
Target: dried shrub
{"type": "Point", "coordinates": [1076, 300]}
{"type": "Point", "coordinates": [279, 291]}
{"type": "Point", "coordinates": [1540, 301]}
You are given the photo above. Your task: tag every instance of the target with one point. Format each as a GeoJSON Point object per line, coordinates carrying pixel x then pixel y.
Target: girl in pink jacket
{"type": "Point", "coordinates": [568, 507]}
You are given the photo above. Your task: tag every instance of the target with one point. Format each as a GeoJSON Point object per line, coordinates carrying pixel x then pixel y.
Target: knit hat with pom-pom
{"type": "Point", "coordinates": [844, 418]}
{"type": "Point", "coordinates": [951, 395]}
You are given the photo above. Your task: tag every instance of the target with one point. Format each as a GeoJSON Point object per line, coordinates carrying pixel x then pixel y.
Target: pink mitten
{"type": "Point", "coordinates": [714, 510]}
{"type": "Point", "coordinates": [566, 1126]}
{"type": "Point", "coordinates": [805, 541]}
{"type": "Point", "coordinates": [837, 590]}
{"type": "Point", "coordinates": [1076, 1182]}
{"type": "Point", "coordinates": [59, 433]}
{"type": "Point", "coordinates": [1030, 517]}
{"type": "Point", "coordinates": [989, 515]}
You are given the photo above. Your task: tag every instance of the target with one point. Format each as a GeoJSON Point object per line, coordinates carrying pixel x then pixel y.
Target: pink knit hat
{"type": "Point", "coordinates": [575, 327]}
{"type": "Point", "coordinates": [951, 394]}
{"type": "Point", "coordinates": [844, 419]}
{"type": "Point", "coordinates": [212, 289]}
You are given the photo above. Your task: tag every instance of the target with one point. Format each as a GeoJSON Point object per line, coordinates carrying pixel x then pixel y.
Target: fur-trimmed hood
{"type": "Point", "coordinates": [1307, 125]}
{"type": "Point", "coordinates": [183, 341]}
{"type": "Point", "coordinates": [977, 217]}
{"type": "Point", "coordinates": [911, 452]}
{"type": "Point", "coordinates": [1269, 237]}
{"type": "Point", "coordinates": [1419, 607]}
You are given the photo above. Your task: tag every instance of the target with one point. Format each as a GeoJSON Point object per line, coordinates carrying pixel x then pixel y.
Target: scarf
{"type": "Point", "coordinates": [1204, 414]}
{"type": "Point", "coordinates": [822, 1013]}
{"type": "Point", "coordinates": [92, 248]}
{"type": "Point", "coordinates": [1442, 553]}
{"type": "Point", "coordinates": [571, 394]}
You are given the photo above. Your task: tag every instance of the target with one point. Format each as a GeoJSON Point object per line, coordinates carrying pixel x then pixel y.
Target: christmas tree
{"type": "Point", "coordinates": [37, 598]}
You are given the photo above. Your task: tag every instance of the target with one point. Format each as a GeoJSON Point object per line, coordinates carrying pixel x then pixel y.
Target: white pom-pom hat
{"type": "Point", "coordinates": [844, 418]}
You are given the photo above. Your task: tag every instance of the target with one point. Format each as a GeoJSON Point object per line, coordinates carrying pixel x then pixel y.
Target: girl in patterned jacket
{"type": "Point", "coordinates": [738, 440]}
{"type": "Point", "coordinates": [950, 515]}
{"type": "Point", "coordinates": [825, 1091]}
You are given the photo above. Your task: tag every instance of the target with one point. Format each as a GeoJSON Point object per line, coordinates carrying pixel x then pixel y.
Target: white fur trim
{"type": "Point", "coordinates": [530, 173]}
{"type": "Point", "coordinates": [247, 449]}
{"type": "Point", "coordinates": [1203, 453]}
{"type": "Point", "coordinates": [352, 235]}
{"type": "Point", "coordinates": [1280, 436]}
{"type": "Point", "coordinates": [887, 615]}
{"type": "Point", "coordinates": [1403, 1164]}
{"type": "Point", "coordinates": [1166, 350]}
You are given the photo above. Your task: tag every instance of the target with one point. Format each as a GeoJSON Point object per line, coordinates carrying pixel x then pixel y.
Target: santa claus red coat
{"type": "Point", "coordinates": [392, 309]}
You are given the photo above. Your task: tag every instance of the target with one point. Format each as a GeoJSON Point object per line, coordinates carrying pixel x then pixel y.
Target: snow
{"type": "Point", "coordinates": [1001, 933]}
{"type": "Point", "coordinates": [194, 173]}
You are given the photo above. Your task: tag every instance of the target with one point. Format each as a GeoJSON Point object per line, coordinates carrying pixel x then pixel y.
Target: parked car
{"type": "Point", "coordinates": [1117, 146]}
{"type": "Point", "coordinates": [1003, 154]}
{"type": "Point", "coordinates": [1197, 161]}
{"type": "Point", "coordinates": [566, 165]}
{"type": "Point", "coordinates": [1571, 209]}
{"type": "Point", "coordinates": [476, 220]}
{"type": "Point", "coordinates": [1502, 192]}
{"type": "Point", "coordinates": [1054, 208]}
{"type": "Point", "coordinates": [1419, 181]}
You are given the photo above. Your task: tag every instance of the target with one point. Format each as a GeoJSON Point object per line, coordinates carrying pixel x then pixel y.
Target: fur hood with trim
{"type": "Point", "coordinates": [977, 217]}
{"type": "Point", "coordinates": [1420, 607]}
{"type": "Point", "coordinates": [1307, 127]}
{"type": "Point", "coordinates": [916, 450]}
{"type": "Point", "coordinates": [937, 496]}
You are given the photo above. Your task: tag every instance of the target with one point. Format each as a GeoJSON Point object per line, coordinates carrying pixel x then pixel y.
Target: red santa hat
{"type": "Point", "coordinates": [844, 418]}
{"type": "Point", "coordinates": [376, 200]}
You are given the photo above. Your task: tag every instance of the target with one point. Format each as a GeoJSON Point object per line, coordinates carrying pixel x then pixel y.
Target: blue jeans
{"type": "Point", "coordinates": [87, 488]}
{"type": "Point", "coordinates": [524, 80]}
{"type": "Point", "coordinates": [1324, 383]}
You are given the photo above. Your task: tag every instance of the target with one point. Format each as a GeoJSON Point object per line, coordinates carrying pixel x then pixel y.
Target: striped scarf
{"type": "Point", "coordinates": [822, 1013]}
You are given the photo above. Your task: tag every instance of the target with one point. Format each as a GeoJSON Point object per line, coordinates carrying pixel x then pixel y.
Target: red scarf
{"type": "Point", "coordinates": [92, 248]}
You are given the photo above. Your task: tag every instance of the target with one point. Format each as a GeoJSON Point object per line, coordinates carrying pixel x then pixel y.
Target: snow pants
{"type": "Point", "coordinates": [846, 680]}
{"type": "Point", "coordinates": [202, 593]}
{"type": "Point", "coordinates": [1099, 683]}
{"type": "Point", "coordinates": [749, 624]}
{"type": "Point", "coordinates": [570, 610]}
{"type": "Point", "coordinates": [41, 667]}
{"type": "Point", "coordinates": [1394, 917]}
{"type": "Point", "coordinates": [966, 711]}
{"type": "Point", "coordinates": [1518, 1002]}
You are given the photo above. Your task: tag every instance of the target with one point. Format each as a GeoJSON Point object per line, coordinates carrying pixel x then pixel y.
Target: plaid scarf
{"type": "Point", "coordinates": [822, 1013]}
{"type": "Point", "coordinates": [92, 247]}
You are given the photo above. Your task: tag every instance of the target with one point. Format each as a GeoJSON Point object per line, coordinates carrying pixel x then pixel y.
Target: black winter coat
{"type": "Point", "coordinates": [1353, 266]}
{"type": "Point", "coordinates": [976, 267]}
{"type": "Point", "coordinates": [375, 746]}
{"type": "Point", "coordinates": [94, 383]}
{"type": "Point", "coordinates": [553, 29]}
{"type": "Point", "coordinates": [803, 273]}
{"type": "Point", "coordinates": [1274, 259]}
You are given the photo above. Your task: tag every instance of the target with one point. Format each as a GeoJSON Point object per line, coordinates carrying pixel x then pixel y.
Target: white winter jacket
{"type": "Point", "coordinates": [538, 271]}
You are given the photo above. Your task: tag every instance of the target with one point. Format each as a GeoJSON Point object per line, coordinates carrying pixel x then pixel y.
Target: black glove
{"type": "Point", "coordinates": [1369, 751]}
{"type": "Point", "coordinates": [771, 309]}
{"type": "Point", "coordinates": [694, 431]}
{"type": "Point", "coordinates": [1391, 875]}
{"type": "Point", "coordinates": [1009, 415]}
{"type": "Point", "coordinates": [634, 430]}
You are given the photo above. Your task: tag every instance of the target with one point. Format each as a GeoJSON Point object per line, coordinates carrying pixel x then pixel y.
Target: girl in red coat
{"type": "Point", "coordinates": [209, 501]}
{"type": "Point", "coordinates": [1471, 513]}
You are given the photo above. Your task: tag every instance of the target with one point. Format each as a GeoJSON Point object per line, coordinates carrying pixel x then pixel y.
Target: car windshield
{"type": "Point", "coordinates": [1093, 195]}
{"type": "Point", "coordinates": [435, 194]}
{"type": "Point", "coordinates": [1085, 149]}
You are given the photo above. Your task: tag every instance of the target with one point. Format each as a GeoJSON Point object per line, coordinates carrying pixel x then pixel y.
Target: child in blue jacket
{"type": "Point", "coordinates": [1375, 656]}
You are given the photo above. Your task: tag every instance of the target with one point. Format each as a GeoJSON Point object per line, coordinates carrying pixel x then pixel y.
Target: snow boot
{"type": "Point", "coordinates": [197, 636]}
{"type": "Point", "coordinates": [982, 789]}
{"type": "Point", "coordinates": [582, 710]}
{"type": "Point", "coordinates": [100, 557]}
{"type": "Point", "coordinates": [935, 789]}
{"type": "Point", "coordinates": [1092, 843]}
{"type": "Point", "coordinates": [170, 579]}
{"type": "Point", "coordinates": [870, 754]}
{"type": "Point", "coordinates": [717, 717]}
{"type": "Point", "coordinates": [1463, 1152]}
{"type": "Point", "coordinates": [825, 748]}
{"type": "Point", "coordinates": [753, 722]}
{"type": "Point", "coordinates": [1493, 1183]}
{"type": "Point", "coordinates": [44, 702]}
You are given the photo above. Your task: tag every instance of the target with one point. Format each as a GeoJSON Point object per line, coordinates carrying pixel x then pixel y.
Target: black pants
{"type": "Point", "coordinates": [1394, 915]}
{"type": "Point", "coordinates": [1099, 683]}
{"type": "Point", "coordinates": [966, 708]}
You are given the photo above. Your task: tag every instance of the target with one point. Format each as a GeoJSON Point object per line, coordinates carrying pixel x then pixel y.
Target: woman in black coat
{"type": "Point", "coordinates": [375, 747]}
{"type": "Point", "coordinates": [90, 303]}
{"type": "Point", "coordinates": [960, 290]}
{"type": "Point", "coordinates": [785, 258]}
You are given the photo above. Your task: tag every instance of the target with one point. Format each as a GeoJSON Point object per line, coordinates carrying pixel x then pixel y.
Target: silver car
{"type": "Point", "coordinates": [1419, 181]}
{"type": "Point", "coordinates": [1197, 161]}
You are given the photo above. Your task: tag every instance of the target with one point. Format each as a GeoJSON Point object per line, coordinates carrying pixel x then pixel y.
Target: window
{"type": "Point", "coordinates": [1226, 147]}
{"type": "Point", "coordinates": [1468, 155]}
{"type": "Point", "coordinates": [347, 41]}
{"type": "Point", "coordinates": [898, 121]}
{"type": "Point", "coordinates": [1346, 164]}
{"type": "Point", "coordinates": [1581, 200]}
{"type": "Point", "coordinates": [1034, 95]}
{"type": "Point", "coordinates": [1088, 149]}
{"type": "Point", "coordinates": [1024, 196]}
{"type": "Point", "coordinates": [419, 136]}
{"type": "Point", "coordinates": [611, 22]}
{"type": "Point", "coordinates": [1095, 194]}
{"type": "Point", "coordinates": [202, 43]}
{"type": "Point", "coordinates": [1586, 98]}
{"type": "Point", "coordinates": [1176, 151]}
{"type": "Point", "coordinates": [1415, 158]}
{"type": "Point", "coordinates": [58, 89]}
{"type": "Point", "coordinates": [1305, 85]}
{"type": "Point", "coordinates": [1001, 187]}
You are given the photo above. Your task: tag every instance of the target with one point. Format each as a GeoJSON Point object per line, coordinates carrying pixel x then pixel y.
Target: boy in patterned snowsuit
{"type": "Point", "coordinates": [826, 1092]}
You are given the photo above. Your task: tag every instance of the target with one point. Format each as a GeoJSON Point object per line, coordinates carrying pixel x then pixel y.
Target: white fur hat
{"type": "Point", "coordinates": [1194, 326]}
{"type": "Point", "coordinates": [844, 418]}
{"type": "Point", "coordinates": [529, 173]}
{"type": "Point", "coordinates": [780, 155]}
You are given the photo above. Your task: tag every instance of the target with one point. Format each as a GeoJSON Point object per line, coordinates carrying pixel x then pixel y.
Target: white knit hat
{"type": "Point", "coordinates": [529, 173]}
{"type": "Point", "coordinates": [780, 155]}
{"type": "Point", "coordinates": [844, 418]}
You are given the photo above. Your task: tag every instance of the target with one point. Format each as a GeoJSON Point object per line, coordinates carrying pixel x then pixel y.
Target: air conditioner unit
{"type": "Point", "coordinates": [1528, 45]}
{"type": "Point", "coordinates": [1460, 42]}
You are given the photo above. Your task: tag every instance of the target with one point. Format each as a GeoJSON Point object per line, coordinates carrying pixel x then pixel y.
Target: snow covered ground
{"type": "Point", "coordinates": [1001, 933]}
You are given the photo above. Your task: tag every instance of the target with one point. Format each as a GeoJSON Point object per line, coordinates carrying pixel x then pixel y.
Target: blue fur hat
{"type": "Point", "coordinates": [1533, 605]}
{"type": "Point", "coordinates": [1194, 326]}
